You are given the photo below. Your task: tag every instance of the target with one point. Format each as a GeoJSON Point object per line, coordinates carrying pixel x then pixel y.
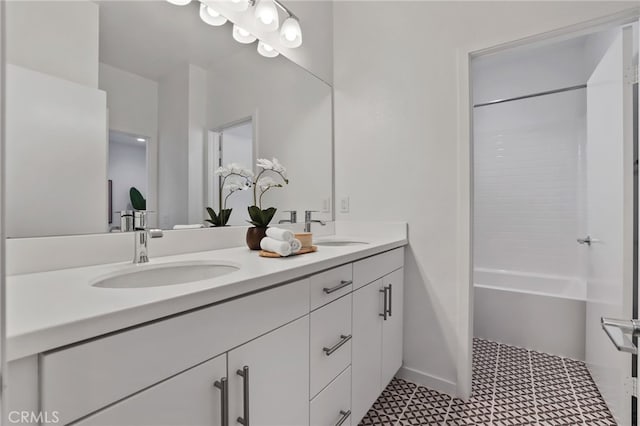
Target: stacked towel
{"type": "Point", "coordinates": [283, 248]}
{"type": "Point", "coordinates": [280, 241]}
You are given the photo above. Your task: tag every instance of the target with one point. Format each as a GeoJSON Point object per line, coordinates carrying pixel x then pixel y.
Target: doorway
{"type": "Point", "coordinates": [230, 143]}
{"type": "Point", "coordinates": [553, 219]}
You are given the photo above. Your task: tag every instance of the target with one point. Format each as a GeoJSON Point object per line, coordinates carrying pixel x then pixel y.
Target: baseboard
{"type": "Point", "coordinates": [427, 380]}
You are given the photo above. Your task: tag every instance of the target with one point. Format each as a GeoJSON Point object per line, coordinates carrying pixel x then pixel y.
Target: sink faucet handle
{"type": "Point", "coordinates": [293, 215]}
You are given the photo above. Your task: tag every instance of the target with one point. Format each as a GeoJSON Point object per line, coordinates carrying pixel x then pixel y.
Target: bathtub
{"type": "Point", "coordinates": [544, 313]}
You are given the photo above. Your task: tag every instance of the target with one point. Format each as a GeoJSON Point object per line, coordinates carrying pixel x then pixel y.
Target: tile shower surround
{"type": "Point", "coordinates": [511, 386]}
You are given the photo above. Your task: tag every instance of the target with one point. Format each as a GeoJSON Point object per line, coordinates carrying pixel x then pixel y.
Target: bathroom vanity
{"type": "Point", "coordinates": [306, 340]}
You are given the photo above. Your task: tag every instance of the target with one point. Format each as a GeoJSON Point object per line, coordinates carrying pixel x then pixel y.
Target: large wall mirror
{"type": "Point", "coordinates": [107, 96]}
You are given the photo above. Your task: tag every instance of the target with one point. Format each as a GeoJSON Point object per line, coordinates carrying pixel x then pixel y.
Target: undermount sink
{"type": "Point", "coordinates": [142, 276]}
{"type": "Point", "coordinates": [339, 243]}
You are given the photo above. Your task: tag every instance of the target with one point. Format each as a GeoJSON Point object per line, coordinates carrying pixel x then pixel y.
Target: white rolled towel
{"type": "Point", "coordinates": [296, 245]}
{"type": "Point", "coordinates": [283, 248]}
{"type": "Point", "coordinates": [195, 226]}
{"type": "Point", "coordinates": [280, 234]}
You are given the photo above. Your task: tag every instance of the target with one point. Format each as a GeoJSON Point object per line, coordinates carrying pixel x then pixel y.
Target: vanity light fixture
{"type": "Point", "coordinates": [141, 139]}
{"type": "Point", "coordinates": [267, 18]}
{"type": "Point", "coordinates": [211, 16]}
{"type": "Point", "coordinates": [290, 33]}
{"type": "Point", "coordinates": [267, 50]}
{"type": "Point", "coordinates": [239, 5]}
{"type": "Point", "coordinates": [242, 36]}
{"type": "Point", "coordinates": [267, 15]}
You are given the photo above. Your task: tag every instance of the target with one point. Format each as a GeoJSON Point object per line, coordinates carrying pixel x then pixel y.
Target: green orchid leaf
{"type": "Point", "coordinates": [138, 202]}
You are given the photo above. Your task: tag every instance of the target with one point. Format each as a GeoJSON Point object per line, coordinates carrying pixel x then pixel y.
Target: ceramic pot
{"type": "Point", "coordinates": [254, 236]}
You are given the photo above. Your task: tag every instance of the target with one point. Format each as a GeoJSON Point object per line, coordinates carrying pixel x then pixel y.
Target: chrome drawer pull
{"type": "Point", "coordinates": [345, 416]}
{"type": "Point", "coordinates": [390, 302]}
{"type": "Point", "coordinates": [223, 385]}
{"type": "Point", "coordinates": [342, 284]}
{"type": "Point", "coordinates": [344, 339]}
{"type": "Point", "coordinates": [244, 373]}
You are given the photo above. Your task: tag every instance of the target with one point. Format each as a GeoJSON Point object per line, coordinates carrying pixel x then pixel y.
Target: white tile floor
{"type": "Point", "coordinates": [511, 386]}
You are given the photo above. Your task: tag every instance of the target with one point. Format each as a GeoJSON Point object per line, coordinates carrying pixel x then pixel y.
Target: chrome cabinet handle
{"type": "Point", "coordinates": [343, 339]}
{"type": "Point", "coordinates": [344, 417]}
{"type": "Point", "coordinates": [244, 373]}
{"type": "Point", "coordinates": [223, 385]}
{"type": "Point", "coordinates": [389, 301]}
{"type": "Point", "coordinates": [384, 303]}
{"type": "Point", "coordinates": [342, 284]}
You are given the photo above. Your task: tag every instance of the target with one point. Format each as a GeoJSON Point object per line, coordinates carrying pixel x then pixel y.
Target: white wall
{"type": "Point", "coordinates": [292, 120]}
{"type": "Point", "coordinates": [59, 38]}
{"type": "Point", "coordinates": [197, 138]}
{"type": "Point", "coordinates": [173, 143]}
{"type": "Point", "coordinates": [526, 70]}
{"type": "Point", "coordinates": [397, 153]}
{"type": "Point", "coordinates": [56, 140]}
{"type": "Point", "coordinates": [132, 102]}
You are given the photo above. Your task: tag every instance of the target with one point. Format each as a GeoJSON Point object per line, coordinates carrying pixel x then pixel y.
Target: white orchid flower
{"type": "Point", "coordinates": [221, 171]}
{"type": "Point", "coordinates": [267, 182]}
{"type": "Point", "coordinates": [264, 164]}
{"type": "Point", "coordinates": [279, 168]}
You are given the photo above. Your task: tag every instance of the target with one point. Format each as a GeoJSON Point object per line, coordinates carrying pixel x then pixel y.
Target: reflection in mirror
{"type": "Point", "coordinates": [127, 173]}
{"type": "Point", "coordinates": [135, 102]}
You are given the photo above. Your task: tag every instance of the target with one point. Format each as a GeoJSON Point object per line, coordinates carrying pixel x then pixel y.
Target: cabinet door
{"type": "Point", "coordinates": [276, 390]}
{"type": "Point", "coordinates": [189, 398]}
{"type": "Point", "coordinates": [366, 348]}
{"type": "Point", "coordinates": [392, 327]}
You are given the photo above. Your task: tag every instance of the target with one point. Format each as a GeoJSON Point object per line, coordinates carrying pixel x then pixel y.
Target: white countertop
{"type": "Point", "coordinates": [47, 310]}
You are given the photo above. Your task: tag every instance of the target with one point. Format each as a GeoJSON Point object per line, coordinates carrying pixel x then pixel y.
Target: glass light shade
{"type": "Point", "coordinates": [242, 36]}
{"type": "Point", "coordinates": [266, 50]}
{"type": "Point", "coordinates": [179, 2]}
{"type": "Point", "coordinates": [211, 16]}
{"type": "Point", "coordinates": [290, 33]}
{"type": "Point", "coordinates": [238, 5]}
{"type": "Point", "coordinates": [267, 15]}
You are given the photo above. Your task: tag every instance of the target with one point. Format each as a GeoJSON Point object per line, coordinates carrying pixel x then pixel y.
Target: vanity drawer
{"type": "Point", "coordinates": [372, 268]}
{"type": "Point", "coordinates": [80, 379]}
{"type": "Point", "coordinates": [334, 402]}
{"type": "Point", "coordinates": [330, 285]}
{"type": "Point", "coordinates": [330, 346]}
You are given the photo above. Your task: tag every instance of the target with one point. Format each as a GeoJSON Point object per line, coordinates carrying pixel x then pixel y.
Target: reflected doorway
{"type": "Point", "coordinates": [231, 143]}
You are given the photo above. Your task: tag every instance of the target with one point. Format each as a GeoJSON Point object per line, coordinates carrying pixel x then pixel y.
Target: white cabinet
{"type": "Point", "coordinates": [377, 339]}
{"type": "Point", "coordinates": [366, 348]}
{"type": "Point", "coordinates": [188, 399]}
{"type": "Point", "coordinates": [286, 356]}
{"type": "Point", "coordinates": [275, 388]}
{"type": "Point", "coordinates": [392, 327]}
{"type": "Point", "coordinates": [332, 406]}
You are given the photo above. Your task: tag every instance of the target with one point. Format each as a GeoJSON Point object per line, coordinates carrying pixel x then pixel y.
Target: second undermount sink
{"type": "Point", "coordinates": [141, 276]}
{"type": "Point", "coordinates": [338, 243]}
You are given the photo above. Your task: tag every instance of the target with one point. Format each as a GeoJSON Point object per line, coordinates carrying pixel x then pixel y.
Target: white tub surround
{"type": "Point", "coordinates": [319, 334]}
{"type": "Point", "coordinates": [550, 311]}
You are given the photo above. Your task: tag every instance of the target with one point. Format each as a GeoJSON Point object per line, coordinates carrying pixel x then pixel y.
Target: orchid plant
{"type": "Point", "coordinates": [233, 177]}
{"type": "Point", "coordinates": [272, 175]}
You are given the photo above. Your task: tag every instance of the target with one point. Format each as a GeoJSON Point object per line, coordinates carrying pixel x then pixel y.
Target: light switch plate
{"type": "Point", "coordinates": [344, 205]}
{"type": "Point", "coordinates": [326, 205]}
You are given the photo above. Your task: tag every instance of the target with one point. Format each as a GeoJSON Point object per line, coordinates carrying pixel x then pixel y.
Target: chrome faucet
{"type": "Point", "coordinates": [293, 217]}
{"type": "Point", "coordinates": [308, 221]}
{"type": "Point", "coordinates": [142, 235]}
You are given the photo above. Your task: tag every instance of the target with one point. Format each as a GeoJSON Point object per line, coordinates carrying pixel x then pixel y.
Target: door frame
{"type": "Point", "coordinates": [465, 186]}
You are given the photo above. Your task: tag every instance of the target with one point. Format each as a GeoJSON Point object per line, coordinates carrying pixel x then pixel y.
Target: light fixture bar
{"type": "Point", "coordinates": [281, 6]}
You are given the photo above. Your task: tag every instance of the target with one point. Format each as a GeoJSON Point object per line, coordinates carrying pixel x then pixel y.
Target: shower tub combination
{"type": "Point", "coordinates": [544, 313]}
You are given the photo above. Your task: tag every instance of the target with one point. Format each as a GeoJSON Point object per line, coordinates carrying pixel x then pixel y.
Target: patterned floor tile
{"type": "Point", "coordinates": [510, 386]}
